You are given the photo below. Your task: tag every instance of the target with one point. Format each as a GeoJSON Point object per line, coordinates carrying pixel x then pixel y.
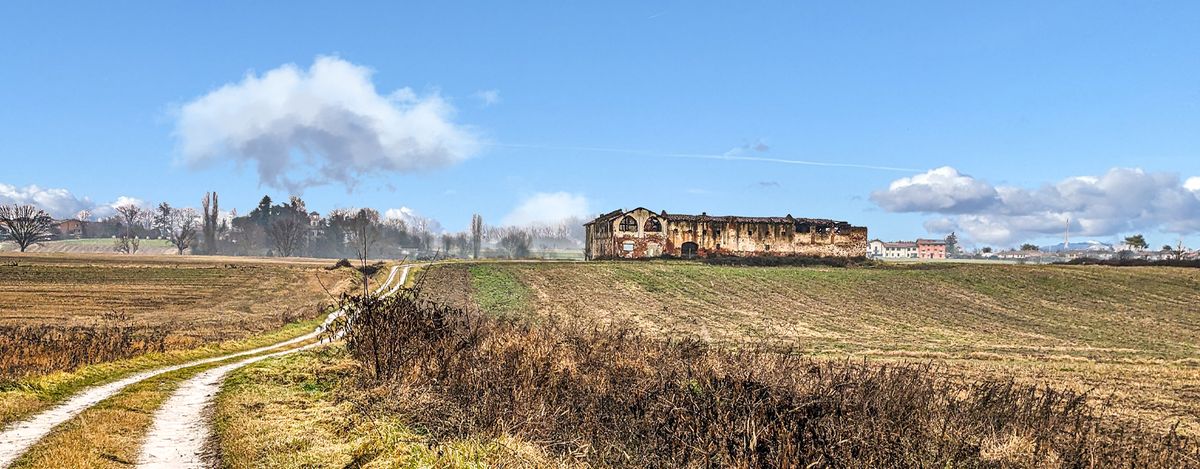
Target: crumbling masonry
{"type": "Point", "coordinates": [640, 233]}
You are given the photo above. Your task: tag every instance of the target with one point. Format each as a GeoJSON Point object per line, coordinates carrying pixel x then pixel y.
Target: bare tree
{"type": "Point", "coordinates": [177, 225]}
{"type": "Point", "coordinates": [447, 243]}
{"type": "Point", "coordinates": [84, 216]}
{"type": "Point", "coordinates": [245, 236]}
{"type": "Point", "coordinates": [25, 224]}
{"type": "Point", "coordinates": [131, 217]}
{"type": "Point", "coordinates": [211, 213]}
{"type": "Point", "coordinates": [462, 244]}
{"type": "Point", "coordinates": [288, 229]}
{"type": "Point", "coordinates": [517, 242]}
{"type": "Point", "coordinates": [476, 235]}
{"type": "Point", "coordinates": [364, 233]}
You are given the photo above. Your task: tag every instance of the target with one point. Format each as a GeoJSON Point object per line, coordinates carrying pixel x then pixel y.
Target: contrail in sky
{"type": "Point", "coordinates": [700, 156]}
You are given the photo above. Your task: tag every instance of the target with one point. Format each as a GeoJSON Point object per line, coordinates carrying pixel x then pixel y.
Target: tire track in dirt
{"type": "Point", "coordinates": [182, 428]}
{"type": "Point", "coordinates": [20, 436]}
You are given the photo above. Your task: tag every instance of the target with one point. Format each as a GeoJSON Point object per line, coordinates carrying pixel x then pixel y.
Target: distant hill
{"type": "Point", "coordinates": [1080, 246]}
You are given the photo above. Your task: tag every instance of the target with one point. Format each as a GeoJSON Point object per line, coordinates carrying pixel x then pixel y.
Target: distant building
{"type": "Point", "coordinates": [931, 249]}
{"type": "Point", "coordinates": [640, 233]}
{"type": "Point", "coordinates": [69, 228]}
{"type": "Point", "coordinates": [894, 250]}
{"type": "Point", "coordinates": [1018, 255]}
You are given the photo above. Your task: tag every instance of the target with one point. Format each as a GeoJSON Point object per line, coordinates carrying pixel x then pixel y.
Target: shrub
{"type": "Point", "coordinates": [1132, 262]}
{"type": "Point", "coordinates": [611, 396]}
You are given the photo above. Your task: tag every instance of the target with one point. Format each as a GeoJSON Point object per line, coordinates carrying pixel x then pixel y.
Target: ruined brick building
{"type": "Point", "coordinates": [640, 233]}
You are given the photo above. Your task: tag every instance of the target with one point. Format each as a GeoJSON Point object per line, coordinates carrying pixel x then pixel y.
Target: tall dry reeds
{"type": "Point", "coordinates": [37, 349]}
{"type": "Point", "coordinates": [610, 396]}
{"type": "Point", "coordinates": [27, 350]}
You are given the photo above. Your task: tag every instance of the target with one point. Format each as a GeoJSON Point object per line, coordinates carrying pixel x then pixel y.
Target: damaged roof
{"type": "Point", "coordinates": [608, 217]}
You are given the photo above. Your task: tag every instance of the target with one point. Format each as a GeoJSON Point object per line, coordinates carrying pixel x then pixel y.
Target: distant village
{"type": "Point", "coordinates": [637, 233]}
{"type": "Point", "coordinates": [1134, 247]}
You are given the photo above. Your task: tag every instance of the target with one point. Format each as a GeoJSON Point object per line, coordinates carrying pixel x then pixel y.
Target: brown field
{"type": "Point", "coordinates": [1128, 336]}
{"type": "Point", "coordinates": [60, 311]}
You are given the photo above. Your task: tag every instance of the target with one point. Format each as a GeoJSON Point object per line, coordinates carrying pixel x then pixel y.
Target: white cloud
{"type": "Point", "coordinates": [1121, 200]}
{"type": "Point", "coordinates": [749, 148]}
{"type": "Point", "coordinates": [547, 208]}
{"type": "Point", "coordinates": [488, 97]}
{"type": "Point", "coordinates": [412, 219]}
{"type": "Point", "coordinates": [327, 124]}
{"type": "Point", "coordinates": [941, 190]}
{"type": "Point", "coordinates": [1192, 184]}
{"type": "Point", "coordinates": [402, 213]}
{"type": "Point", "coordinates": [59, 203]}
{"type": "Point", "coordinates": [126, 200]}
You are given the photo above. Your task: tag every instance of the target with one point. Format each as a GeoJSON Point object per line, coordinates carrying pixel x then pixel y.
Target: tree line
{"type": "Point", "coordinates": [285, 229]}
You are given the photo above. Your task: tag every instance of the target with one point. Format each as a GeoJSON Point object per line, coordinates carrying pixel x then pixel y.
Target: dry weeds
{"type": "Point", "coordinates": [1129, 335]}
{"type": "Point", "coordinates": [61, 312]}
{"type": "Point", "coordinates": [612, 396]}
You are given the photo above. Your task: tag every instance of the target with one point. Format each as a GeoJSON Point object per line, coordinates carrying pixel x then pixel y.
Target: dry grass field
{"type": "Point", "coordinates": [1130, 336]}
{"type": "Point", "coordinates": [60, 311]}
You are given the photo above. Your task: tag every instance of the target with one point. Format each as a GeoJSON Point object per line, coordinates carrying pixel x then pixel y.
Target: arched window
{"type": "Point", "coordinates": [653, 225]}
{"type": "Point", "coordinates": [628, 224]}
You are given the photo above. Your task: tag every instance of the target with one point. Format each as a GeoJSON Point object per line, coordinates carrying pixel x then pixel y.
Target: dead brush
{"type": "Point", "coordinates": [613, 397]}
{"type": "Point", "coordinates": [35, 350]}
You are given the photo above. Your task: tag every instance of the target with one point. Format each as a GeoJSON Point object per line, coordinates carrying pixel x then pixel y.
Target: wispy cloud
{"type": "Point", "coordinates": [702, 156]}
{"type": "Point", "coordinates": [757, 146]}
{"type": "Point", "coordinates": [547, 208]}
{"type": "Point", "coordinates": [488, 97]}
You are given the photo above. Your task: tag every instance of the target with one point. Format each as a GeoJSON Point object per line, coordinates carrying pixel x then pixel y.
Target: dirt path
{"type": "Point", "coordinates": [20, 436]}
{"type": "Point", "coordinates": [182, 427]}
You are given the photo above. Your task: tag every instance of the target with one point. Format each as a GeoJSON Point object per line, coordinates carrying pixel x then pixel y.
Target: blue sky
{"type": "Point", "coordinates": [1011, 96]}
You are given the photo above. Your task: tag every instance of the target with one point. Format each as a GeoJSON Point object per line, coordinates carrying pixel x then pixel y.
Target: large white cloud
{"type": "Point", "coordinates": [547, 208]}
{"type": "Point", "coordinates": [327, 124]}
{"type": "Point", "coordinates": [59, 203]}
{"type": "Point", "coordinates": [1121, 200]}
{"type": "Point", "coordinates": [942, 190]}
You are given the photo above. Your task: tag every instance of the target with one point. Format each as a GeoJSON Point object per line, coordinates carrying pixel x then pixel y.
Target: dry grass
{"type": "Point", "coordinates": [1129, 334]}
{"type": "Point", "coordinates": [110, 433]}
{"type": "Point", "coordinates": [58, 312]}
{"type": "Point", "coordinates": [33, 394]}
{"type": "Point", "coordinates": [292, 412]}
{"type": "Point", "coordinates": [613, 396]}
